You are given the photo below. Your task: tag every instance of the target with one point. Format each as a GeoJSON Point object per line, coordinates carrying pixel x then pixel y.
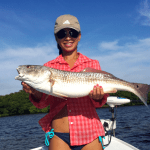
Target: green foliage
{"type": "Point", "coordinates": [18, 103]}
{"type": "Point", "coordinates": [34, 110]}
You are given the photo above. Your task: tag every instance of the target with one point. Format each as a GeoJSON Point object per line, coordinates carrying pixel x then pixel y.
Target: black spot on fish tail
{"type": "Point", "coordinates": [143, 90]}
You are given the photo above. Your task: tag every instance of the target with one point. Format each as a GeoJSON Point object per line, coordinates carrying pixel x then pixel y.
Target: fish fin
{"type": "Point", "coordinates": [84, 70]}
{"type": "Point", "coordinates": [46, 97]}
{"type": "Point", "coordinates": [60, 95]}
{"type": "Point", "coordinates": [52, 81]}
{"type": "Point", "coordinates": [56, 93]}
{"type": "Point", "coordinates": [110, 90]}
{"type": "Point", "coordinates": [88, 69]}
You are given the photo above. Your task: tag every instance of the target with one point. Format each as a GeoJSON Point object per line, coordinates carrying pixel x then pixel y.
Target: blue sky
{"type": "Point", "coordinates": [116, 33]}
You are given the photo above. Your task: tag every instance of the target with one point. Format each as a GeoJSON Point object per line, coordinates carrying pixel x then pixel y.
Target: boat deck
{"type": "Point", "coordinates": [117, 144]}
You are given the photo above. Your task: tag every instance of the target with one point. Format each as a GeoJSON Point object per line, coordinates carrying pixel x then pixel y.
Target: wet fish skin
{"type": "Point", "coordinates": [76, 84]}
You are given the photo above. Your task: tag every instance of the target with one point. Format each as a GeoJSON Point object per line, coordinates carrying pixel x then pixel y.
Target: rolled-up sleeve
{"type": "Point", "coordinates": [45, 101]}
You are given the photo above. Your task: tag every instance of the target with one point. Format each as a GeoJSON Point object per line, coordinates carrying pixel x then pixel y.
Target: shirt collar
{"type": "Point", "coordinates": [81, 59]}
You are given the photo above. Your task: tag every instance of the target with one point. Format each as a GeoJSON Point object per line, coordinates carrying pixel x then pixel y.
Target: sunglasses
{"type": "Point", "coordinates": [62, 33]}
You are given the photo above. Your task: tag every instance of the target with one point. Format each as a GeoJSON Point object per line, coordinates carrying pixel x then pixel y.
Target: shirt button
{"type": "Point", "coordinates": [71, 122]}
{"type": "Point", "coordinates": [69, 110]}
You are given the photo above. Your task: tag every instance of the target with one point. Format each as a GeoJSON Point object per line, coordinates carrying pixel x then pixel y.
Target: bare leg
{"type": "Point", "coordinates": [58, 144]}
{"type": "Point", "coordinates": [96, 145]}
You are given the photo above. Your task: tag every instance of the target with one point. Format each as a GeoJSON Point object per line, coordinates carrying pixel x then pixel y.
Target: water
{"type": "Point", "coordinates": [24, 132]}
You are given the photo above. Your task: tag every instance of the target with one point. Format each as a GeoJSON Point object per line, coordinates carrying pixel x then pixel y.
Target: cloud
{"type": "Point", "coordinates": [110, 45]}
{"type": "Point", "coordinates": [11, 58]}
{"type": "Point", "coordinates": [131, 62]}
{"type": "Point", "coordinates": [128, 61]}
{"type": "Point", "coordinates": [144, 12]}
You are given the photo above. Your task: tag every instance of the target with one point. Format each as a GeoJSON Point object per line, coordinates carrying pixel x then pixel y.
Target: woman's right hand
{"type": "Point", "coordinates": [36, 94]}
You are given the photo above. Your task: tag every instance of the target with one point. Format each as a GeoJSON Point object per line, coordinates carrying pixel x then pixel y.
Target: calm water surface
{"type": "Point", "coordinates": [24, 132]}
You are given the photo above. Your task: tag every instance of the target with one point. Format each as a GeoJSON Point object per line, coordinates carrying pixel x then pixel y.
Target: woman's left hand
{"type": "Point", "coordinates": [97, 93]}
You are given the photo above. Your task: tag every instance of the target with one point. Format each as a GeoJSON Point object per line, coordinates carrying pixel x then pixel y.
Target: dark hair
{"type": "Point", "coordinates": [60, 50]}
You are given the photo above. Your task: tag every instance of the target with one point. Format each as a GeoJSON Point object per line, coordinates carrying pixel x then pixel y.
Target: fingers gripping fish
{"type": "Point", "coordinates": [76, 84]}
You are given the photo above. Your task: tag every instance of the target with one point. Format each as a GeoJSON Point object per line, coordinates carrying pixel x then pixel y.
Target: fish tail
{"type": "Point", "coordinates": [142, 91]}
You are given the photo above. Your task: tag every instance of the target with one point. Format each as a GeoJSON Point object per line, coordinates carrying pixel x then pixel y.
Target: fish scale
{"type": "Point", "coordinates": [80, 77]}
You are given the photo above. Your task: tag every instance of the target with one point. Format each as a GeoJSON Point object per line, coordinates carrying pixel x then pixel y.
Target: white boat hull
{"type": "Point", "coordinates": [117, 144]}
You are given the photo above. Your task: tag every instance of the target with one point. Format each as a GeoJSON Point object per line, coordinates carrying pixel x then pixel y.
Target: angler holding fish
{"type": "Point", "coordinates": [72, 93]}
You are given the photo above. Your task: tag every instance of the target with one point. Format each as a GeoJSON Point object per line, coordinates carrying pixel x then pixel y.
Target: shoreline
{"type": "Point", "coordinates": [19, 104]}
{"type": "Point", "coordinates": [103, 107]}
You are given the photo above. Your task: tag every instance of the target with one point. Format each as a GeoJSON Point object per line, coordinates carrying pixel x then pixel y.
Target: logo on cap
{"type": "Point", "coordinates": [66, 22]}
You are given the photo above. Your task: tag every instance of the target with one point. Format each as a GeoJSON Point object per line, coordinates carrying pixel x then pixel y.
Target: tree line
{"type": "Point", "coordinates": [18, 103]}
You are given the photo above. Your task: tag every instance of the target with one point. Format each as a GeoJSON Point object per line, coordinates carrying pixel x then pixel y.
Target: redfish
{"type": "Point", "coordinates": [76, 84]}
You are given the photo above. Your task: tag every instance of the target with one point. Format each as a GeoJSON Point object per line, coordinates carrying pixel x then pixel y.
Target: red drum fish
{"type": "Point", "coordinates": [76, 84]}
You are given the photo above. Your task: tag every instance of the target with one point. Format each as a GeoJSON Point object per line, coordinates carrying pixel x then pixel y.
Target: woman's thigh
{"type": "Point", "coordinates": [58, 144]}
{"type": "Point", "coordinates": [96, 145]}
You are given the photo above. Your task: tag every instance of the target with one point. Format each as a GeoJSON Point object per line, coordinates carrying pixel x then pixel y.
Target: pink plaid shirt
{"type": "Point", "coordinates": [84, 123]}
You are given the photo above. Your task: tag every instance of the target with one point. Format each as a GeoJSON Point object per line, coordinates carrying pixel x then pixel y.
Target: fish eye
{"type": "Point", "coordinates": [28, 66]}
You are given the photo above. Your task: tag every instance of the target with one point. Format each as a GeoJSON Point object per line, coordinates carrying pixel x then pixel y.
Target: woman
{"type": "Point", "coordinates": [72, 123]}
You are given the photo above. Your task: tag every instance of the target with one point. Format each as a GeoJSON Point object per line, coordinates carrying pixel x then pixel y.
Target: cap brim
{"type": "Point", "coordinates": [65, 26]}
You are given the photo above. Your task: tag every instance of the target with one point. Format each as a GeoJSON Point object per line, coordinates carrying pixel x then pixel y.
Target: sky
{"type": "Point", "coordinates": [116, 33]}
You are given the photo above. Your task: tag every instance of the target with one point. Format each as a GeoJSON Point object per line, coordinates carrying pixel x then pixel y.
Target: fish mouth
{"type": "Point", "coordinates": [18, 71]}
{"type": "Point", "coordinates": [20, 76]}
